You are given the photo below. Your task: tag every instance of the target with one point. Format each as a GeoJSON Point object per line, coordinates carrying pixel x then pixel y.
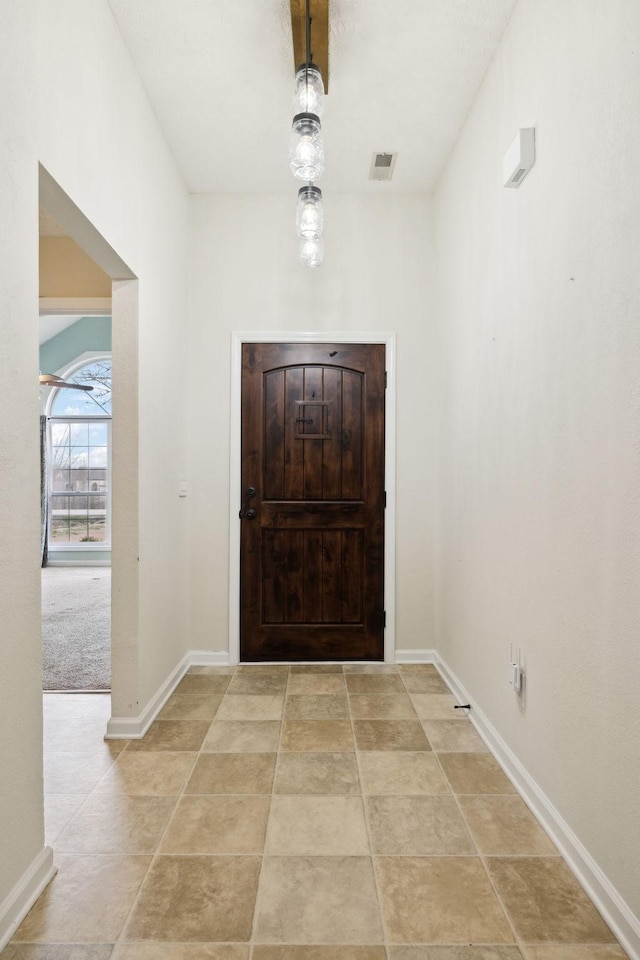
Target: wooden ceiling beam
{"type": "Point", "coordinates": [319, 16]}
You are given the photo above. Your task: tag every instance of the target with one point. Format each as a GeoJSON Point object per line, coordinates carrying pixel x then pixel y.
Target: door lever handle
{"type": "Point", "coordinates": [246, 514]}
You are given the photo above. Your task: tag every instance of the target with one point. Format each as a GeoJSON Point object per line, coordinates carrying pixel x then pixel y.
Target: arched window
{"type": "Point", "coordinates": [77, 403]}
{"type": "Point", "coordinates": [80, 461]}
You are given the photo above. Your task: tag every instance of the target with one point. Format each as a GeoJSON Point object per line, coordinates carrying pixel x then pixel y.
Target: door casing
{"type": "Point", "coordinates": [289, 336]}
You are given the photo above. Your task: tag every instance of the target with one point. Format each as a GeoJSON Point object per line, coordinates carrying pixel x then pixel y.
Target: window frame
{"type": "Point", "coordinates": [85, 360]}
{"type": "Point", "coordinates": [101, 544]}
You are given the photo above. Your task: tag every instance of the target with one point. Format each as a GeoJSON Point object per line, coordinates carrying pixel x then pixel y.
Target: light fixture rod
{"type": "Point", "coordinates": [318, 22]}
{"type": "Point", "coordinates": [307, 48]}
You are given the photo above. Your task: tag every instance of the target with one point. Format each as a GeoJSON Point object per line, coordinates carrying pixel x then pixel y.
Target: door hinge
{"type": "Point", "coordinates": [385, 379]}
{"type": "Point", "coordinates": [385, 499]}
{"type": "Point", "coordinates": [384, 619]}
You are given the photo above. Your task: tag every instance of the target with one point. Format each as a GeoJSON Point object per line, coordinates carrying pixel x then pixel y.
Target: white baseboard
{"type": "Point", "coordinates": [416, 656]}
{"type": "Point", "coordinates": [616, 912]}
{"type": "Point", "coordinates": [25, 893]}
{"type": "Point", "coordinates": [134, 728]}
{"type": "Point", "coordinates": [208, 658]}
{"type": "Point", "coordinates": [78, 563]}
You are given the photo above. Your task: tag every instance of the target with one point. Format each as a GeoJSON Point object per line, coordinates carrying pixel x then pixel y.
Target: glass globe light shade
{"type": "Point", "coordinates": [312, 252]}
{"type": "Point", "coordinates": [309, 213]}
{"type": "Point", "coordinates": [308, 94]}
{"type": "Point", "coordinates": [306, 154]}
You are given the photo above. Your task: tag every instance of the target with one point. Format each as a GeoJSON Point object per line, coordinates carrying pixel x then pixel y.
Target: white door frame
{"type": "Point", "coordinates": [238, 338]}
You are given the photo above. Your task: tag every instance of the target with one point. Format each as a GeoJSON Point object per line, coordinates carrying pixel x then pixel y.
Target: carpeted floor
{"type": "Point", "coordinates": [76, 628]}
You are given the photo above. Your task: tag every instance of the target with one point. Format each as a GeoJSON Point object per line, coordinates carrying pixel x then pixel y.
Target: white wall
{"type": "Point", "coordinates": [540, 342]}
{"type": "Point", "coordinates": [246, 275]}
{"type": "Point", "coordinates": [21, 804]}
{"type": "Point", "coordinates": [72, 100]}
{"type": "Point", "coordinates": [117, 168]}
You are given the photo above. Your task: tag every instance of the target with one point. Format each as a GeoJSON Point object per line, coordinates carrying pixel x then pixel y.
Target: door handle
{"type": "Point", "coordinates": [246, 514]}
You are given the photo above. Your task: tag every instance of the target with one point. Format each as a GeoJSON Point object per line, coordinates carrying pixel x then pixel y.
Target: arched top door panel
{"type": "Point", "coordinates": [313, 433]}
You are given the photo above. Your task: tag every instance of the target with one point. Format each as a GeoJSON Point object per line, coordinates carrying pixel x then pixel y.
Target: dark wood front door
{"type": "Point", "coordinates": [312, 541]}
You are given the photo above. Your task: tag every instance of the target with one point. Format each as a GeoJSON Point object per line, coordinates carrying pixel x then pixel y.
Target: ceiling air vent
{"type": "Point", "coordinates": [382, 166]}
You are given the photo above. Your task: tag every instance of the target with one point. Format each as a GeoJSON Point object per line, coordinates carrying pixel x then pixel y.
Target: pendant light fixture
{"type": "Point", "coordinates": [306, 153]}
{"type": "Point", "coordinates": [308, 95]}
{"type": "Point", "coordinates": [309, 213]}
{"type": "Point", "coordinates": [312, 252]}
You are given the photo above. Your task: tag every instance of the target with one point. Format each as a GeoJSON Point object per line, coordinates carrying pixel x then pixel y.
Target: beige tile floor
{"type": "Point", "coordinates": [296, 813]}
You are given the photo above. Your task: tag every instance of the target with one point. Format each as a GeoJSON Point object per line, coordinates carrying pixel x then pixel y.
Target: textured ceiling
{"type": "Point", "coordinates": [219, 74]}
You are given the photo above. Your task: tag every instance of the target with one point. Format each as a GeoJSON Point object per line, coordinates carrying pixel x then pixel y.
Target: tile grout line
{"type": "Point", "coordinates": [156, 854]}
{"type": "Point", "coordinates": [519, 945]}
{"type": "Point", "coordinates": [518, 941]}
{"type": "Point", "coordinates": [85, 796]}
{"type": "Point", "coordinates": [480, 856]}
{"type": "Point", "coordinates": [76, 854]}
{"type": "Point", "coordinates": [251, 943]}
{"type": "Point", "coordinates": [385, 934]}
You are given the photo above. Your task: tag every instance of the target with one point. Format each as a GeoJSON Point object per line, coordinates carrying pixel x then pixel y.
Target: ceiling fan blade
{"type": "Point", "coordinates": [51, 380]}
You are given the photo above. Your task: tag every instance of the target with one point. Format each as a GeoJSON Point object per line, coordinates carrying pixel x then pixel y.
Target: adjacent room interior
{"type": "Point", "coordinates": [76, 441]}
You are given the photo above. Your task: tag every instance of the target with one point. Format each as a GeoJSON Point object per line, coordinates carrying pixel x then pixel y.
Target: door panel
{"type": "Point", "coordinates": [312, 540]}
